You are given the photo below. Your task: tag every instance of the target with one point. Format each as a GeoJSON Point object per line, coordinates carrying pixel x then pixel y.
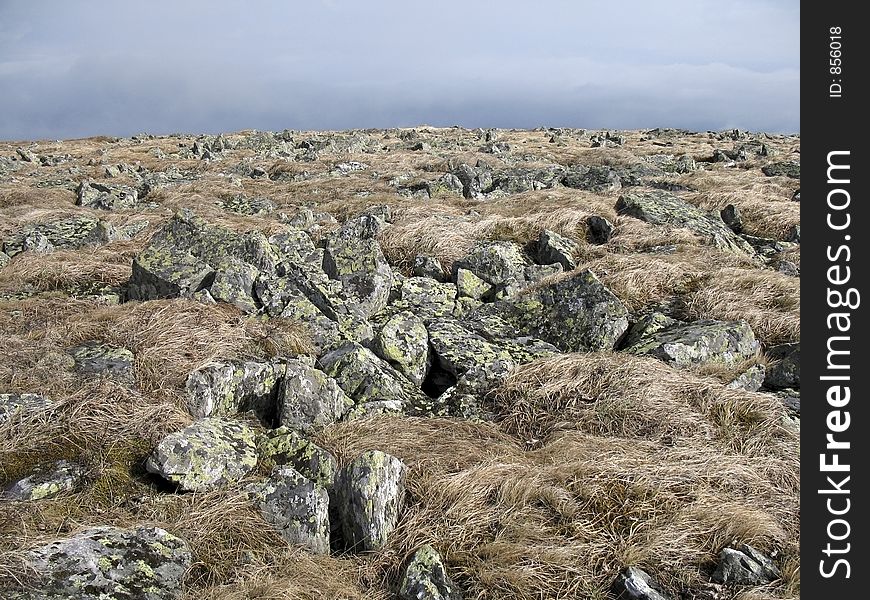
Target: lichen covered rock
{"type": "Point", "coordinates": [106, 197]}
{"type": "Point", "coordinates": [636, 584]}
{"type": "Point", "coordinates": [230, 387]}
{"type": "Point", "coordinates": [554, 248]}
{"type": "Point", "coordinates": [309, 399]}
{"type": "Point", "coordinates": [426, 578]}
{"type": "Point", "coordinates": [404, 343]}
{"type": "Point", "coordinates": [360, 265]}
{"type": "Point", "coordinates": [22, 406]}
{"type": "Point", "coordinates": [283, 446]}
{"type": "Point", "coordinates": [207, 454]}
{"type": "Point", "coordinates": [785, 370]}
{"type": "Point", "coordinates": [59, 477]}
{"type": "Point", "coordinates": [103, 563]}
{"type": "Point", "coordinates": [67, 233]}
{"type": "Point", "coordinates": [103, 359]}
{"type": "Point", "coordinates": [700, 342]}
{"type": "Point", "coordinates": [369, 496]}
{"type": "Point", "coordinates": [495, 262]}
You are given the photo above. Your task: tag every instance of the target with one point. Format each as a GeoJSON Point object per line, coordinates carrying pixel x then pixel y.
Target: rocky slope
{"type": "Point", "coordinates": [417, 363]}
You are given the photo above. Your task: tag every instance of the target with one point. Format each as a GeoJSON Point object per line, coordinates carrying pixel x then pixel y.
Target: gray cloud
{"type": "Point", "coordinates": [77, 68]}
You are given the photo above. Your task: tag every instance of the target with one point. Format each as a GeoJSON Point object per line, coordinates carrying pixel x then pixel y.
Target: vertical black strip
{"type": "Point", "coordinates": [835, 300]}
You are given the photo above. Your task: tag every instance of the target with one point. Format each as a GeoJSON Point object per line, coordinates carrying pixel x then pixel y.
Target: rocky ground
{"type": "Point", "coordinates": [411, 363]}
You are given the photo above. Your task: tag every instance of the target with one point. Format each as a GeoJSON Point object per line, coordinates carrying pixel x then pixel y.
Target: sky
{"type": "Point", "coordinates": [77, 68]}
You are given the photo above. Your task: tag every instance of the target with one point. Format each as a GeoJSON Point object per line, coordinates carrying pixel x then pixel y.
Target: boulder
{"type": "Point", "coordinates": [428, 266]}
{"type": "Point", "coordinates": [700, 342]}
{"type": "Point", "coordinates": [785, 369]}
{"type": "Point", "coordinates": [788, 169]}
{"type": "Point", "coordinates": [22, 406]}
{"type": "Point", "coordinates": [745, 566]}
{"type": "Point", "coordinates": [475, 180]}
{"type": "Point", "coordinates": [210, 453]}
{"type": "Point", "coordinates": [363, 270]}
{"type": "Point", "coordinates": [297, 507]}
{"type": "Point", "coordinates": [404, 343]}
{"type": "Point", "coordinates": [424, 297]}
{"type": "Point", "coordinates": [224, 388]}
{"type": "Point", "coordinates": [67, 233]}
{"type": "Point", "coordinates": [554, 248]}
{"type": "Point", "coordinates": [167, 272]}
{"type": "Point", "coordinates": [469, 285]}
{"type": "Point", "coordinates": [369, 495]}
{"type": "Point", "coordinates": [575, 314]}
{"type": "Point", "coordinates": [467, 398]}
{"type": "Point", "coordinates": [495, 262]}
{"type": "Point", "coordinates": [646, 326]}
{"type": "Point", "coordinates": [731, 217]}
{"type": "Point", "coordinates": [59, 477]}
{"type": "Point", "coordinates": [308, 399]}
{"type": "Point", "coordinates": [636, 584]}
{"type": "Point", "coordinates": [245, 205]}
{"type": "Point", "coordinates": [234, 284]}
{"type": "Point", "coordinates": [516, 180]}
{"type": "Point", "coordinates": [283, 446]}
{"type": "Point", "coordinates": [426, 578]}
{"type": "Point", "coordinates": [100, 563]}
{"type": "Point", "coordinates": [593, 179]}
{"type": "Point", "coordinates": [664, 208]}
{"type": "Point", "coordinates": [106, 197]}
{"type": "Point", "coordinates": [750, 380]}
{"type": "Point", "coordinates": [598, 230]}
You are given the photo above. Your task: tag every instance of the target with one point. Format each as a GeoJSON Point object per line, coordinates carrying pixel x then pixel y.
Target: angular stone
{"type": "Point", "coordinates": [208, 454]}
{"type": "Point", "coordinates": [475, 180]}
{"type": "Point", "coordinates": [245, 205]}
{"type": "Point", "coordinates": [362, 268]}
{"type": "Point", "coordinates": [457, 349]}
{"type": "Point", "coordinates": [4, 259]}
{"type": "Point", "coordinates": [71, 232]}
{"type": "Point", "coordinates": [426, 578]}
{"type": "Point", "coordinates": [554, 248]}
{"type": "Point", "coordinates": [425, 297]}
{"type": "Point", "coordinates": [700, 342]}
{"type": "Point", "coordinates": [106, 197]}
{"type": "Point", "coordinates": [297, 507]}
{"type": "Point", "coordinates": [369, 495]}
{"type": "Point", "coordinates": [750, 380]}
{"type": "Point", "coordinates": [15, 406]}
{"type": "Point", "coordinates": [664, 208]}
{"type": "Point", "coordinates": [636, 584]}
{"type": "Point", "coordinates": [466, 399]}
{"type": "Point", "coordinates": [575, 314]}
{"type": "Point", "coordinates": [166, 272]}
{"type": "Point", "coordinates": [283, 446]}
{"type": "Point", "coordinates": [428, 266]}
{"type": "Point", "coordinates": [234, 284]}
{"type": "Point", "coordinates": [745, 566]}
{"type": "Point", "coordinates": [404, 343]}
{"type": "Point", "coordinates": [495, 262]}
{"type": "Point", "coordinates": [599, 230]}
{"type": "Point", "coordinates": [517, 180]}
{"type": "Point", "coordinates": [469, 285]}
{"type": "Point", "coordinates": [308, 399]}
{"type": "Point", "coordinates": [789, 169]}
{"type": "Point", "coordinates": [593, 179]}
{"type": "Point", "coordinates": [101, 563]}
{"type": "Point", "coordinates": [62, 476]}
{"type": "Point", "coordinates": [646, 326]}
{"type": "Point", "coordinates": [103, 359]}
{"type": "Point", "coordinates": [445, 186]}
{"type": "Point", "coordinates": [731, 217]}
{"type": "Point", "coordinates": [785, 370]}
{"type": "Point", "coordinates": [230, 387]}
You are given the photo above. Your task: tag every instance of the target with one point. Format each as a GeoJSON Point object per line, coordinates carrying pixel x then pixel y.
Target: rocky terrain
{"type": "Point", "coordinates": [401, 364]}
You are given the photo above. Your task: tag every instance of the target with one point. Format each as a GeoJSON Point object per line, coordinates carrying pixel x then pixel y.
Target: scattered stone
{"type": "Point", "coordinates": [785, 369]}
{"type": "Point", "coordinates": [100, 563]}
{"type": "Point", "coordinates": [427, 266]}
{"type": "Point", "coordinates": [745, 566]}
{"type": "Point", "coordinates": [789, 169]}
{"type": "Point", "coordinates": [647, 326]}
{"type": "Point", "coordinates": [106, 197]}
{"type": "Point", "coordinates": [210, 453]}
{"type": "Point", "coordinates": [663, 208]}
{"type": "Point", "coordinates": [62, 476]}
{"type": "Point", "coordinates": [369, 496]}
{"type": "Point", "coordinates": [308, 399]}
{"type": "Point", "coordinates": [750, 380]}
{"type": "Point", "coordinates": [245, 205]}
{"type": "Point", "coordinates": [593, 179]}
{"type": "Point", "coordinates": [426, 578]}
{"type": "Point", "coordinates": [469, 285]}
{"type": "Point", "coordinates": [67, 233]}
{"type": "Point", "coordinates": [404, 343]}
{"type": "Point", "coordinates": [700, 342]}
{"type": "Point", "coordinates": [283, 446]}
{"type": "Point", "coordinates": [636, 584]}
{"type": "Point", "coordinates": [22, 406]}
{"type": "Point", "coordinates": [599, 230]}
{"type": "Point", "coordinates": [731, 216]}
{"type": "Point", "coordinates": [554, 248]}
{"type": "Point", "coordinates": [103, 359]}
{"type": "Point", "coordinates": [298, 508]}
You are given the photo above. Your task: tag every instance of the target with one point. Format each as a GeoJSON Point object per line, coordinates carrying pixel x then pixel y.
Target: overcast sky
{"type": "Point", "coordinates": [75, 68]}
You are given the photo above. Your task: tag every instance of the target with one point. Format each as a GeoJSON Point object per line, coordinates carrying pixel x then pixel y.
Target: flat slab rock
{"type": "Point", "coordinates": [59, 477]}
{"type": "Point", "coordinates": [71, 232]}
{"type": "Point", "coordinates": [102, 563]}
{"type": "Point", "coordinates": [15, 406]}
{"type": "Point", "coordinates": [207, 454]}
{"type": "Point", "coordinates": [700, 342]}
{"type": "Point", "coordinates": [103, 359]}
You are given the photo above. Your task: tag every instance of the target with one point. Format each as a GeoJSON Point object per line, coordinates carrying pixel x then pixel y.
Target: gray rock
{"type": "Point", "coordinates": [234, 284]}
{"type": "Point", "coordinates": [445, 186]}
{"type": "Point", "coordinates": [750, 380]}
{"type": "Point", "coordinates": [789, 169]}
{"type": "Point", "coordinates": [308, 399]}
{"type": "Point", "coordinates": [785, 370]}
{"type": "Point", "coordinates": [731, 217]}
{"type": "Point", "coordinates": [427, 266]}
{"type": "Point", "coordinates": [230, 387]}
{"type": "Point", "coordinates": [599, 230]}
{"type": "Point", "coordinates": [210, 453]}
{"type": "Point", "coordinates": [636, 584]}
{"type": "Point", "coordinates": [426, 578]}
{"type": "Point", "coordinates": [106, 197]}
{"type": "Point", "coordinates": [469, 285]}
{"type": "Point", "coordinates": [475, 180]}
{"type": "Point", "coordinates": [664, 208]}
{"type": "Point", "coordinates": [4, 259]}
{"type": "Point", "coordinates": [283, 446]}
{"type": "Point", "coordinates": [700, 342]}
{"type": "Point", "coordinates": [647, 326]}
{"type": "Point", "coordinates": [16, 406]}
{"type": "Point", "coordinates": [362, 268]}
{"type": "Point", "coordinates": [745, 566]}
{"type": "Point", "coordinates": [495, 262]}
{"type": "Point", "coordinates": [297, 507]}
{"type": "Point", "coordinates": [369, 497]}
{"type": "Point", "coordinates": [794, 234]}
{"type": "Point", "coordinates": [466, 399]}
{"type": "Point", "coordinates": [62, 476]}
{"type": "Point", "coordinates": [103, 359]}
{"type": "Point", "coordinates": [575, 314]}
{"type": "Point", "coordinates": [516, 180]}
{"type": "Point", "coordinates": [404, 343]}
{"type": "Point", "coordinates": [101, 563]}
{"type": "Point", "coordinates": [554, 248]}
{"type": "Point", "coordinates": [593, 179]}
{"type": "Point", "coordinates": [67, 233]}
{"type": "Point", "coordinates": [425, 297]}
{"type": "Point", "coordinates": [245, 205]}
